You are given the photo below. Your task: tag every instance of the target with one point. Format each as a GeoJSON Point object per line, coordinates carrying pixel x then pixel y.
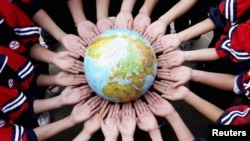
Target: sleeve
{"type": "Point", "coordinates": [3, 61]}
{"type": "Point", "coordinates": [13, 103]}
{"type": "Point", "coordinates": [11, 132]}
{"type": "Point", "coordinates": [30, 7]}
{"type": "Point", "coordinates": [6, 30]}
{"type": "Point", "coordinates": [25, 30]}
{"type": "Point", "coordinates": [23, 67]}
{"type": "Point", "coordinates": [219, 20]}
{"type": "Point", "coordinates": [235, 115]}
{"type": "Point", "coordinates": [15, 106]}
{"type": "Point", "coordinates": [235, 45]}
{"type": "Point", "coordinates": [242, 83]}
{"type": "Point", "coordinates": [233, 10]}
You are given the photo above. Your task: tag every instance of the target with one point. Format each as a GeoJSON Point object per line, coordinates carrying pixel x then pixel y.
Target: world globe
{"type": "Point", "coordinates": [120, 65]}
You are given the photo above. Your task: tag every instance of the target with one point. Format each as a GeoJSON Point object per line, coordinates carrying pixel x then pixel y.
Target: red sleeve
{"type": "Point", "coordinates": [23, 68]}
{"type": "Point", "coordinates": [25, 30]}
{"type": "Point", "coordinates": [233, 10]}
{"type": "Point", "coordinates": [12, 132]}
{"type": "Point", "coordinates": [13, 103]}
{"type": "Point", "coordinates": [235, 45]}
{"type": "Point", "coordinates": [235, 115]}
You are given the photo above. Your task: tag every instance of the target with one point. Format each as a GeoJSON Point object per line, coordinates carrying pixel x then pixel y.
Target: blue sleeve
{"type": "Point", "coordinates": [31, 134]}
{"type": "Point", "coordinates": [219, 20]}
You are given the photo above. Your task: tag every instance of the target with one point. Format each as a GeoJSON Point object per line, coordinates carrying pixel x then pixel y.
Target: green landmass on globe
{"type": "Point", "coordinates": [120, 65]}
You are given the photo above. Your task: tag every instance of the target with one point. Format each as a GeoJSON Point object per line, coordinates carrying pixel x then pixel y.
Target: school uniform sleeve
{"type": "Point", "coordinates": [25, 31]}
{"type": "Point", "coordinates": [16, 66]}
{"type": "Point", "coordinates": [235, 45]}
{"type": "Point", "coordinates": [14, 132]}
{"type": "Point", "coordinates": [235, 115]}
{"type": "Point", "coordinates": [242, 84]}
{"type": "Point", "coordinates": [30, 7]}
{"type": "Point", "coordinates": [17, 107]}
{"type": "Point", "coordinates": [234, 10]}
{"type": "Point", "coordinates": [219, 20]}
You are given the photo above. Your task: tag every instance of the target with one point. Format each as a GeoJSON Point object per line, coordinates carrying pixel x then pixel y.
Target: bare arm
{"type": "Point", "coordinates": [164, 108]}
{"type": "Point", "coordinates": [40, 53]}
{"type": "Point", "coordinates": [148, 6]}
{"type": "Point", "coordinates": [53, 128]}
{"type": "Point", "coordinates": [47, 104]}
{"type": "Point", "coordinates": [127, 5]}
{"type": "Point", "coordinates": [177, 10]}
{"type": "Point", "coordinates": [81, 112]}
{"type": "Point", "coordinates": [197, 29]}
{"type": "Point", "coordinates": [206, 54]}
{"type": "Point", "coordinates": [102, 8]}
{"type": "Point", "coordinates": [77, 11]}
{"type": "Point", "coordinates": [217, 80]}
{"type": "Point", "coordinates": [204, 107]}
{"type": "Point", "coordinates": [43, 20]}
{"type": "Point", "coordinates": [181, 130]}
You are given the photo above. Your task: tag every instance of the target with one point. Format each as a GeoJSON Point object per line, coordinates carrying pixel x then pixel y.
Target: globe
{"type": "Point", "coordinates": [120, 65]}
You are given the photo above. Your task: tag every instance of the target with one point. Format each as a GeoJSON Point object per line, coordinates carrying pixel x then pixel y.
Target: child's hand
{"type": "Point", "coordinates": [171, 59]}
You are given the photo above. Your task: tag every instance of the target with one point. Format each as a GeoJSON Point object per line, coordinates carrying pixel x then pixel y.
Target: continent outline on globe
{"type": "Point", "coordinates": [120, 65]}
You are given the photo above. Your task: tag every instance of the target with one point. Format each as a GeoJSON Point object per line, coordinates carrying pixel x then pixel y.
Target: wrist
{"type": "Point", "coordinates": [171, 115]}
{"type": "Point", "coordinates": [188, 97]}
{"type": "Point", "coordinates": [144, 12]}
{"type": "Point", "coordinates": [164, 21]}
{"type": "Point", "coordinates": [155, 134]}
{"type": "Point", "coordinates": [70, 121]}
{"type": "Point", "coordinates": [127, 138]}
{"type": "Point", "coordinates": [194, 75]}
{"type": "Point", "coordinates": [110, 139]}
{"type": "Point", "coordinates": [84, 135]}
{"type": "Point", "coordinates": [187, 56]}
{"type": "Point", "coordinates": [80, 22]}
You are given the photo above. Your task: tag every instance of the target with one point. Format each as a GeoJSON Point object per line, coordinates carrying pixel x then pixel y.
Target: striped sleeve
{"type": "Point", "coordinates": [233, 10]}
{"type": "Point", "coordinates": [23, 67]}
{"type": "Point", "coordinates": [13, 103]}
{"type": "Point", "coordinates": [14, 132]}
{"type": "Point", "coordinates": [242, 83]}
{"type": "Point", "coordinates": [235, 115]}
{"type": "Point", "coordinates": [3, 61]}
{"type": "Point", "coordinates": [235, 45]}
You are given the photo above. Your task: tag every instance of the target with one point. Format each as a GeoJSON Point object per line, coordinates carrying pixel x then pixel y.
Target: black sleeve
{"type": "Point", "coordinates": [7, 33]}
{"type": "Point", "coordinates": [30, 8]}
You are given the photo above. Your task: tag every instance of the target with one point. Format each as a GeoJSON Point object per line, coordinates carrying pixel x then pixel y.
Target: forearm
{"type": "Point", "coordinates": [45, 80]}
{"type": "Point", "coordinates": [102, 7]}
{"type": "Point", "coordinates": [155, 135]}
{"type": "Point", "coordinates": [204, 107]}
{"type": "Point", "coordinates": [42, 54]}
{"type": "Point", "coordinates": [206, 54]}
{"type": "Point", "coordinates": [76, 10]}
{"type": "Point", "coordinates": [83, 136]}
{"type": "Point", "coordinates": [128, 5]}
{"type": "Point", "coordinates": [49, 130]}
{"type": "Point", "coordinates": [177, 10]}
{"type": "Point", "coordinates": [196, 30]}
{"type": "Point", "coordinates": [181, 130]}
{"type": "Point", "coordinates": [47, 104]}
{"type": "Point", "coordinates": [148, 6]}
{"type": "Point", "coordinates": [45, 22]}
{"type": "Point", "coordinates": [216, 80]}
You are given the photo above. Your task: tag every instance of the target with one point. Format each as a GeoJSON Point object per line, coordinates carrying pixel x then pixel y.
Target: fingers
{"type": "Point", "coordinates": [139, 106]}
{"type": "Point", "coordinates": [105, 108]}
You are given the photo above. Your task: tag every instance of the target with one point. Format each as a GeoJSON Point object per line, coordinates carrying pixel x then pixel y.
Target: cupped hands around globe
{"type": "Point", "coordinates": [120, 65]}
